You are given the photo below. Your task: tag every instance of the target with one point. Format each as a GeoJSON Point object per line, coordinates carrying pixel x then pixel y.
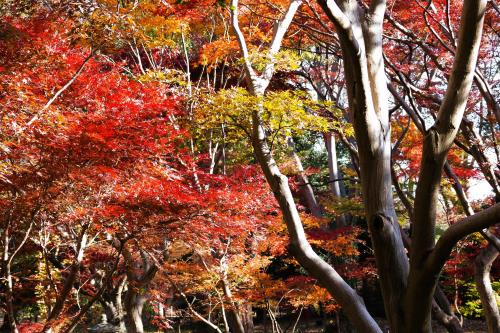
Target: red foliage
{"type": "Point", "coordinates": [30, 327]}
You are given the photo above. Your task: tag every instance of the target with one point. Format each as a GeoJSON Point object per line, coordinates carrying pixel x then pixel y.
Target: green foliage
{"type": "Point", "coordinates": [344, 205]}
{"type": "Point", "coordinates": [471, 306]}
{"type": "Point", "coordinates": [311, 150]}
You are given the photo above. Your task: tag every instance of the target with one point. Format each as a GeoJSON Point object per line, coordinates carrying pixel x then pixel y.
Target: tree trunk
{"type": "Point", "coordinates": [239, 317]}
{"type": "Point", "coordinates": [134, 302]}
{"type": "Point", "coordinates": [449, 321]}
{"type": "Point", "coordinates": [246, 313]}
{"type": "Point", "coordinates": [9, 300]}
{"type": "Point", "coordinates": [9, 296]}
{"type": "Point", "coordinates": [63, 294]}
{"type": "Point", "coordinates": [360, 35]}
{"type": "Point", "coordinates": [113, 315]}
{"type": "Point", "coordinates": [333, 172]}
{"type": "Point", "coordinates": [427, 258]}
{"type": "Point", "coordinates": [140, 272]}
{"type": "Point", "coordinates": [111, 301]}
{"type": "Point", "coordinates": [299, 246]}
{"type": "Point", "coordinates": [234, 321]}
{"type": "Point", "coordinates": [488, 296]}
{"type": "Point", "coordinates": [444, 313]}
{"type": "Point", "coordinates": [408, 294]}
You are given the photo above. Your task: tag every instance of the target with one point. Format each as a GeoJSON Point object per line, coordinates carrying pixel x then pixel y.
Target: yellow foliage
{"type": "Point", "coordinates": [114, 24]}
{"type": "Point", "coordinates": [339, 206]}
{"type": "Point", "coordinates": [283, 61]}
{"type": "Point", "coordinates": [174, 77]}
{"type": "Point", "coordinates": [284, 113]}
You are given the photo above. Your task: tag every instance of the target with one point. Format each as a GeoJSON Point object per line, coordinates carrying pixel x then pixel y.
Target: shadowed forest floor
{"type": "Point", "coordinates": [470, 326]}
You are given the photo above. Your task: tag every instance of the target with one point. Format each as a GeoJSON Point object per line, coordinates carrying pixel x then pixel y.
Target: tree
{"type": "Point", "coordinates": [124, 138]}
{"type": "Point", "coordinates": [407, 285]}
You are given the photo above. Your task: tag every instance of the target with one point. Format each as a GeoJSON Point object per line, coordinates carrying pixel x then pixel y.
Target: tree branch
{"type": "Point", "coordinates": [459, 230]}
{"type": "Point", "coordinates": [280, 29]}
{"type": "Point", "coordinates": [241, 39]}
{"type": "Point", "coordinates": [442, 134]}
{"type": "Point", "coordinates": [59, 92]}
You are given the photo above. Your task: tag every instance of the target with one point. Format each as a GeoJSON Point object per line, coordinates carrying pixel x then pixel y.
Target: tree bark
{"type": "Point", "coordinates": [246, 313]}
{"type": "Point", "coordinates": [234, 317]}
{"type": "Point", "coordinates": [482, 265]}
{"type": "Point", "coordinates": [360, 35]}
{"type": "Point", "coordinates": [333, 170]}
{"type": "Point", "coordinates": [134, 303]}
{"type": "Point", "coordinates": [444, 312]}
{"type": "Point", "coordinates": [140, 272]}
{"type": "Point", "coordinates": [426, 259]}
{"type": "Point", "coordinates": [449, 321]}
{"type": "Point", "coordinates": [9, 300]}
{"type": "Point", "coordinates": [111, 301]}
{"type": "Point", "coordinates": [299, 246]}
{"type": "Point", "coordinates": [6, 265]}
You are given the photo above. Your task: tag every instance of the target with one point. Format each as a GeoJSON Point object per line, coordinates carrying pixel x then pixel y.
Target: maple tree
{"type": "Point", "coordinates": [362, 52]}
{"type": "Point", "coordinates": [150, 151]}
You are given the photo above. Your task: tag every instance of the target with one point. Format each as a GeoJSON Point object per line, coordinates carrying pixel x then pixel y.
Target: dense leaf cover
{"type": "Point", "coordinates": [126, 170]}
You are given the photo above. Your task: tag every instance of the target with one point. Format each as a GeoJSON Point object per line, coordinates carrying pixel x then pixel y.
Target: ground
{"type": "Point", "coordinates": [470, 326]}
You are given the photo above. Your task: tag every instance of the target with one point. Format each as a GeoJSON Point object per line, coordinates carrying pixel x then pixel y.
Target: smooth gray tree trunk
{"type": "Point", "coordinates": [134, 303]}
{"type": "Point", "coordinates": [333, 169]}
{"type": "Point", "coordinates": [239, 317]}
{"type": "Point", "coordinates": [299, 246]}
{"type": "Point", "coordinates": [333, 172]}
{"type": "Point", "coordinates": [408, 290]}
{"type": "Point", "coordinates": [482, 265]}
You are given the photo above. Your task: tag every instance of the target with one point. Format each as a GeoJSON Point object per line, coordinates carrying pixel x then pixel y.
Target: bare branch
{"type": "Point", "coordinates": [241, 39]}
{"type": "Point", "coordinates": [280, 28]}
{"type": "Point", "coordinates": [59, 92]}
{"type": "Point", "coordinates": [442, 134]}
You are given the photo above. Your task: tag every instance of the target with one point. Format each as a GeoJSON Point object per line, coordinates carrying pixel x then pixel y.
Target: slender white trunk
{"type": "Point", "coordinates": [488, 296]}
{"type": "Point", "coordinates": [333, 169]}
